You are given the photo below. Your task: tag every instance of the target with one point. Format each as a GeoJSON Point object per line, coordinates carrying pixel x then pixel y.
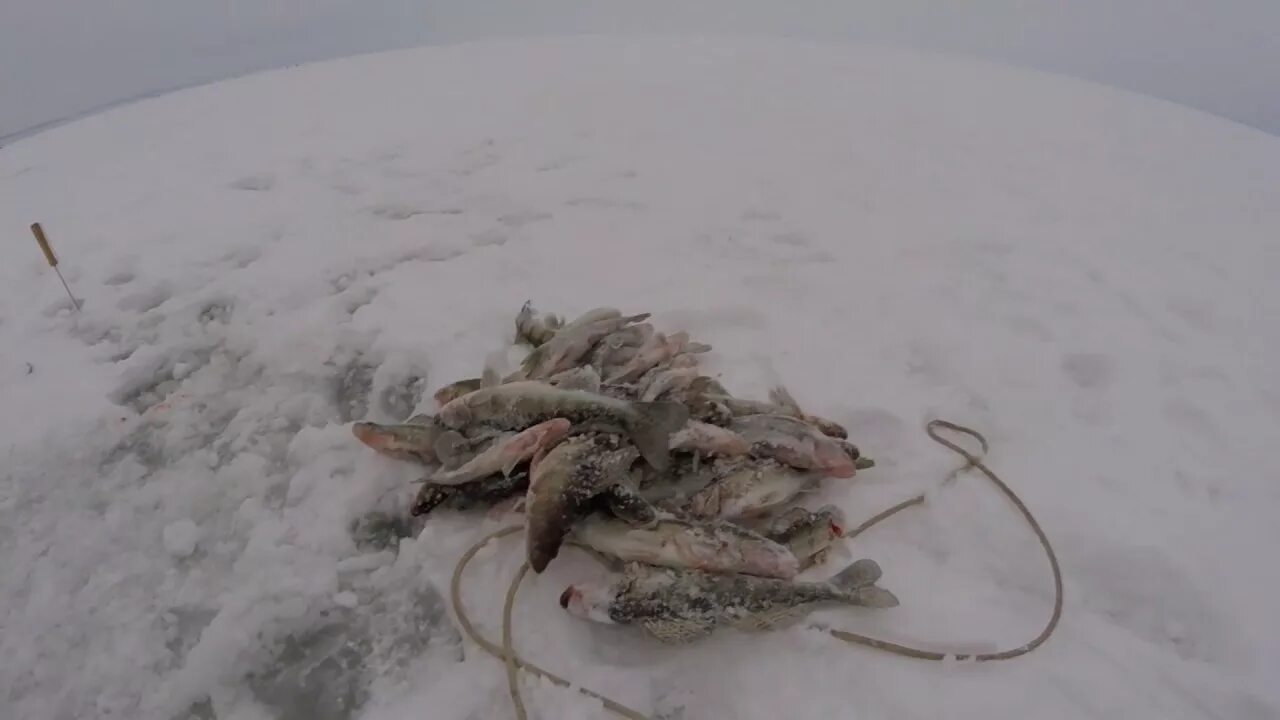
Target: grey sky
{"type": "Point", "coordinates": [59, 58]}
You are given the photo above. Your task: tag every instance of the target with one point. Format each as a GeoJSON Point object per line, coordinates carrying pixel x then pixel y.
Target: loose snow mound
{"type": "Point", "coordinates": [1086, 276]}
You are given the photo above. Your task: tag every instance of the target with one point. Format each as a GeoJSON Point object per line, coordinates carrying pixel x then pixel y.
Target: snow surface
{"type": "Point", "coordinates": [1086, 276]}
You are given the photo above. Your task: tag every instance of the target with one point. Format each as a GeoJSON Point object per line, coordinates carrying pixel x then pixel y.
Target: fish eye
{"type": "Point", "coordinates": [566, 596]}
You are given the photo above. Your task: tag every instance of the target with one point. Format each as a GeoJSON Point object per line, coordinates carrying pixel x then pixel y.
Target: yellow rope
{"type": "Point", "coordinates": [514, 663]}
{"type": "Point", "coordinates": [497, 651]}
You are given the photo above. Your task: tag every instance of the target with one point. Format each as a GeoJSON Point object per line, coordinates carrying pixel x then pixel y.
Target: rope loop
{"type": "Point", "coordinates": [514, 663]}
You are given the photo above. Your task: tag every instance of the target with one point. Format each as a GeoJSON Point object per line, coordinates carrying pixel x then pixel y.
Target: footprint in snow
{"type": "Point", "coordinates": [1028, 327]}
{"type": "Point", "coordinates": [520, 218]}
{"type": "Point", "coordinates": [146, 300]}
{"type": "Point", "coordinates": [123, 277]}
{"type": "Point", "coordinates": [1088, 371]}
{"type": "Point", "coordinates": [1140, 590]}
{"type": "Point", "coordinates": [489, 237]}
{"type": "Point", "coordinates": [259, 182]}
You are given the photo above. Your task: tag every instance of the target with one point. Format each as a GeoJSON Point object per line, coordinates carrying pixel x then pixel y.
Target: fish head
{"type": "Point", "coordinates": [456, 413]}
{"type": "Point", "coordinates": [455, 390]}
{"type": "Point", "coordinates": [404, 442]}
{"type": "Point", "coordinates": [533, 443]}
{"type": "Point", "coordinates": [550, 432]}
{"type": "Point", "coordinates": [836, 519]}
{"type": "Point", "coordinates": [589, 602]}
{"type": "Point", "coordinates": [831, 458]}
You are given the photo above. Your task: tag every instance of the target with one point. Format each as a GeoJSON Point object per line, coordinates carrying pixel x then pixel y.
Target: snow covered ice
{"type": "Point", "coordinates": [1086, 276]}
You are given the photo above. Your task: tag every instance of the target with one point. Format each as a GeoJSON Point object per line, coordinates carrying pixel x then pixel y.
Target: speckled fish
{"type": "Point", "coordinates": [534, 329]}
{"type": "Point", "coordinates": [619, 347]}
{"type": "Point", "coordinates": [712, 546]}
{"type": "Point", "coordinates": [485, 493]}
{"type": "Point", "coordinates": [517, 405]}
{"type": "Point", "coordinates": [741, 407]}
{"type": "Point", "coordinates": [807, 533]}
{"type": "Point", "coordinates": [562, 484]}
{"type": "Point", "coordinates": [506, 453]}
{"type": "Point", "coordinates": [455, 390]}
{"type": "Point", "coordinates": [654, 352]}
{"type": "Point", "coordinates": [667, 380]}
{"type": "Point", "coordinates": [795, 443]}
{"type": "Point", "coordinates": [583, 378]}
{"type": "Point", "coordinates": [628, 505]}
{"type": "Point", "coordinates": [752, 489]}
{"type": "Point", "coordinates": [709, 439]}
{"type": "Point", "coordinates": [564, 350]}
{"type": "Point", "coordinates": [594, 315]}
{"type": "Point", "coordinates": [677, 606]}
{"type": "Point", "coordinates": [782, 397]}
{"type": "Point", "coordinates": [414, 441]}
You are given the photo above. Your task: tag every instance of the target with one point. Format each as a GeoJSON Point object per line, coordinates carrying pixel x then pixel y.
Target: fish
{"type": "Point", "coordinates": [562, 484]}
{"type": "Point", "coordinates": [795, 443]}
{"type": "Point", "coordinates": [534, 329]}
{"type": "Point", "coordinates": [517, 405]}
{"type": "Point", "coordinates": [413, 441]}
{"type": "Point", "coordinates": [504, 454]}
{"type": "Point", "coordinates": [751, 489]}
{"type": "Point", "coordinates": [667, 380]}
{"type": "Point", "coordinates": [628, 505]}
{"type": "Point", "coordinates": [781, 403]}
{"type": "Point", "coordinates": [709, 439]}
{"type": "Point", "coordinates": [780, 396]}
{"type": "Point", "coordinates": [568, 346]}
{"type": "Point", "coordinates": [679, 606]}
{"type": "Point", "coordinates": [584, 378]}
{"type": "Point", "coordinates": [807, 533]}
{"type": "Point", "coordinates": [654, 352]}
{"type": "Point", "coordinates": [688, 474]}
{"type": "Point", "coordinates": [619, 347]}
{"type": "Point", "coordinates": [485, 492]}
{"type": "Point", "coordinates": [712, 546]}
{"type": "Point", "coordinates": [594, 315]}
{"type": "Point", "coordinates": [455, 390]}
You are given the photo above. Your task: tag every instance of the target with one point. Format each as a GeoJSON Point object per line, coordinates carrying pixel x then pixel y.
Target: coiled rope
{"type": "Point", "coordinates": [514, 663]}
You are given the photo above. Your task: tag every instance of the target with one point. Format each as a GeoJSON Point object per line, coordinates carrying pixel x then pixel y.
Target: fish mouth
{"type": "Point", "coordinates": [366, 432]}
{"type": "Point", "coordinates": [567, 596]}
{"type": "Point", "coordinates": [836, 529]}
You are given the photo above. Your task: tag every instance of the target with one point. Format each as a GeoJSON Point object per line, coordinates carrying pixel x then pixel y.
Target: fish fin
{"type": "Point", "coordinates": [862, 573]}
{"type": "Point", "coordinates": [429, 498]}
{"type": "Point", "coordinates": [641, 317]}
{"type": "Point", "coordinates": [531, 361]}
{"type": "Point", "coordinates": [780, 395]}
{"type": "Point", "coordinates": [523, 318]}
{"type": "Point", "coordinates": [447, 447]}
{"type": "Point", "coordinates": [651, 431]}
{"type": "Point", "coordinates": [678, 632]}
{"type": "Point", "coordinates": [511, 466]}
{"type": "Point", "coordinates": [874, 596]}
{"type": "Point", "coordinates": [697, 348]}
{"type": "Point", "coordinates": [863, 463]}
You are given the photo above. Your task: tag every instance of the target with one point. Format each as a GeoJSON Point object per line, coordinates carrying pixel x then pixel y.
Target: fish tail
{"type": "Point", "coordinates": [857, 583]}
{"type": "Point", "coordinates": [873, 596]}
{"type": "Point", "coordinates": [861, 573]}
{"type": "Point", "coordinates": [651, 430]}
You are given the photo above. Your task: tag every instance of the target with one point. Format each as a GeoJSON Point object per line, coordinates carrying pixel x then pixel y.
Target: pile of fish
{"type": "Point", "coordinates": [611, 439]}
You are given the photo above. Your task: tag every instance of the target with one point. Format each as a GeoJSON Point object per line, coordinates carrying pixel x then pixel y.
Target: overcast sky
{"type": "Point", "coordinates": [60, 58]}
